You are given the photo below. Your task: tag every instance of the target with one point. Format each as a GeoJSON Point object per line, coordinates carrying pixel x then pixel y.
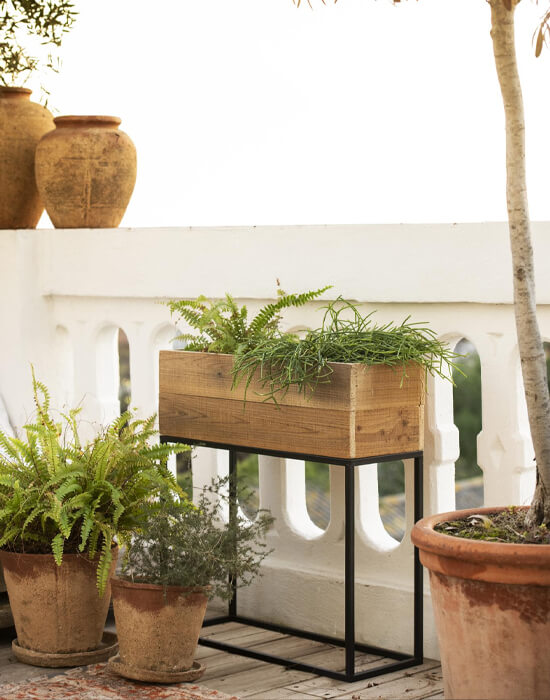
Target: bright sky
{"type": "Point", "coordinates": [256, 112]}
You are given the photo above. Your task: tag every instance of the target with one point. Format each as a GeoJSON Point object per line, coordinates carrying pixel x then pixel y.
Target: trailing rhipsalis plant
{"type": "Point", "coordinates": [59, 495]}
{"type": "Point", "coordinates": [283, 361]}
{"type": "Point", "coordinates": [181, 544]}
{"type": "Point", "coordinates": [223, 326]}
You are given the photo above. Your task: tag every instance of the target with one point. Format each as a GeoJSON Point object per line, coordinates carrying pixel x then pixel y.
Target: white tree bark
{"type": "Point", "coordinates": [533, 363]}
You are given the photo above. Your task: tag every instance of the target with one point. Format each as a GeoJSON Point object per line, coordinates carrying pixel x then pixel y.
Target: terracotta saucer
{"type": "Point", "coordinates": [138, 674]}
{"type": "Point", "coordinates": [108, 647]}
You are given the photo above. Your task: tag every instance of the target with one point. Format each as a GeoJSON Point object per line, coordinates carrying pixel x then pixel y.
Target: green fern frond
{"type": "Point", "coordinates": [104, 565]}
{"type": "Point", "coordinates": [57, 548]}
{"type": "Point", "coordinates": [87, 525]}
{"type": "Point", "coordinates": [269, 312]}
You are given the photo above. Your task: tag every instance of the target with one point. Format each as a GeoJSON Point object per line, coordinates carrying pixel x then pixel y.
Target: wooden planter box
{"type": "Point", "coordinates": [359, 413]}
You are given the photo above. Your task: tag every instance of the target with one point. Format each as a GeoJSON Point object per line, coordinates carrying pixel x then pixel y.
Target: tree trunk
{"type": "Point", "coordinates": [533, 363]}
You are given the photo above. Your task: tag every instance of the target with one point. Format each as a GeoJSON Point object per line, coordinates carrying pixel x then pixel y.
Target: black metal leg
{"type": "Point", "coordinates": [418, 571]}
{"type": "Point", "coordinates": [349, 576]}
{"type": "Point", "coordinates": [233, 508]}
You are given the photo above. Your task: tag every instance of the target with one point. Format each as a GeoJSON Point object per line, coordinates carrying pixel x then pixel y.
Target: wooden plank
{"type": "Point", "coordinates": [389, 430]}
{"type": "Point", "coordinates": [351, 385]}
{"type": "Point", "coordinates": [329, 688]}
{"type": "Point", "coordinates": [288, 428]}
{"type": "Point", "coordinates": [290, 647]}
{"type": "Point", "coordinates": [410, 685]}
{"type": "Point", "coordinates": [382, 386]}
{"type": "Point", "coordinates": [210, 374]}
{"type": "Point", "coordinates": [261, 679]}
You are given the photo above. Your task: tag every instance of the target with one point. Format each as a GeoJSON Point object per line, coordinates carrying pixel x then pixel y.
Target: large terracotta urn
{"type": "Point", "coordinates": [491, 604]}
{"type": "Point", "coordinates": [22, 125]}
{"type": "Point", "coordinates": [86, 172]}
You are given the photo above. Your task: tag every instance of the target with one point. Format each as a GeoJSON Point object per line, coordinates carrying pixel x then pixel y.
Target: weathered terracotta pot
{"type": "Point", "coordinates": [491, 603]}
{"type": "Point", "coordinates": [22, 125]}
{"type": "Point", "coordinates": [158, 629]}
{"type": "Point", "coordinates": [86, 172]}
{"type": "Point", "coordinates": [56, 609]}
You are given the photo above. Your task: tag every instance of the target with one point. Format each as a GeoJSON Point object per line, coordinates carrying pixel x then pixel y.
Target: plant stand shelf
{"type": "Point", "coordinates": [401, 660]}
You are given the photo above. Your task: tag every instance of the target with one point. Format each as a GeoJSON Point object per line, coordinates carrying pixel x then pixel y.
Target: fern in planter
{"type": "Point", "coordinates": [223, 326]}
{"type": "Point", "coordinates": [59, 496]}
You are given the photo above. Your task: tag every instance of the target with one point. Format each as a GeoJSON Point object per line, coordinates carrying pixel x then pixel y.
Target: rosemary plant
{"type": "Point", "coordinates": [282, 361]}
{"type": "Point", "coordinates": [59, 496]}
{"type": "Point", "coordinates": [181, 544]}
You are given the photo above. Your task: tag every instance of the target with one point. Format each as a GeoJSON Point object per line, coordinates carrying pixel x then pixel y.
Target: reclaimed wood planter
{"type": "Point", "coordinates": [362, 412]}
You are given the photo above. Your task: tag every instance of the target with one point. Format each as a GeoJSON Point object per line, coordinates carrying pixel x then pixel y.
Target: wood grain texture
{"type": "Point", "coordinates": [359, 413]}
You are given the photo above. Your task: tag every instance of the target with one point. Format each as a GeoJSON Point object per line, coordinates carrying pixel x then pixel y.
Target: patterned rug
{"type": "Point", "coordinates": [99, 683]}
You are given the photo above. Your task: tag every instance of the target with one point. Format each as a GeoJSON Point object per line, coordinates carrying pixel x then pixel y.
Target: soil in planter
{"type": "Point", "coordinates": [506, 526]}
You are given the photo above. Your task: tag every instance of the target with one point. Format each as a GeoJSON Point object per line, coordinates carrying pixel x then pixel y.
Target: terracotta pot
{"type": "Point", "coordinates": [491, 604]}
{"type": "Point", "coordinates": [22, 125]}
{"type": "Point", "coordinates": [56, 609]}
{"type": "Point", "coordinates": [86, 172]}
{"type": "Point", "coordinates": [158, 628]}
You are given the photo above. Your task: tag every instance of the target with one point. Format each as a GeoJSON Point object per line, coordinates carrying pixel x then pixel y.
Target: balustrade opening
{"type": "Point", "coordinates": [391, 498]}
{"type": "Point", "coordinates": [248, 480]}
{"type": "Point", "coordinates": [467, 418]}
{"type": "Point", "coordinates": [125, 384]}
{"type": "Point", "coordinates": [318, 493]}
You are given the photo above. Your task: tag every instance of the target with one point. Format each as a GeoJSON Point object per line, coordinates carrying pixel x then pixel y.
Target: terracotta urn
{"type": "Point", "coordinates": [22, 125]}
{"type": "Point", "coordinates": [491, 604]}
{"type": "Point", "coordinates": [56, 609]}
{"type": "Point", "coordinates": [158, 628]}
{"type": "Point", "coordinates": [86, 172]}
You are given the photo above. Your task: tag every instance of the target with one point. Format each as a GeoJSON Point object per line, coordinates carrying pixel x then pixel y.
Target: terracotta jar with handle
{"type": "Point", "coordinates": [86, 172]}
{"type": "Point", "coordinates": [22, 125]}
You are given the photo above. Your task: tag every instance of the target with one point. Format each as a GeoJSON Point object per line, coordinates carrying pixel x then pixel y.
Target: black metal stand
{"type": "Point", "coordinates": [350, 645]}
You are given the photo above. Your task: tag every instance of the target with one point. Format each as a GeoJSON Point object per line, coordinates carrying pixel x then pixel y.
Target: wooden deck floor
{"type": "Point", "coordinates": [248, 678]}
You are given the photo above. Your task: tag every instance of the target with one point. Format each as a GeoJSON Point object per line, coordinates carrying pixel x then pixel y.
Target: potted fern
{"type": "Point", "coordinates": [182, 555]}
{"type": "Point", "coordinates": [62, 505]}
{"type": "Point", "coordinates": [250, 385]}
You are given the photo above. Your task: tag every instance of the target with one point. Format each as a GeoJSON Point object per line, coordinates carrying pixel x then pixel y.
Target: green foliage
{"type": "Point", "coordinates": [27, 27]}
{"type": "Point", "coordinates": [223, 326]}
{"type": "Point", "coordinates": [283, 361]}
{"type": "Point", "coordinates": [61, 496]}
{"type": "Point", "coordinates": [181, 544]}
{"type": "Point", "coordinates": [467, 414]}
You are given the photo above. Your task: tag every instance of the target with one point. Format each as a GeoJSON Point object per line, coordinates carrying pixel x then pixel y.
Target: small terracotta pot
{"type": "Point", "coordinates": [22, 125]}
{"type": "Point", "coordinates": [491, 604]}
{"type": "Point", "coordinates": [158, 628]}
{"type": "Point", "coordinates": [86, 172]}
{"type": "Point", "coordinates": [56, 609]}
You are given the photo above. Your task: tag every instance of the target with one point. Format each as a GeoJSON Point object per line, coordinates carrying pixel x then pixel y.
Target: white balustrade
{"type": "Point", "coordinates": [65, 294]}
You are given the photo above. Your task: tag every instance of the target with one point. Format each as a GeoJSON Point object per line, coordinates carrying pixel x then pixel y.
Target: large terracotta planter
{"type": "Point", "coordinates": [56, 609]}
{"type": "Point", "coordinates": [359, 413]}
{"type": "Point", "coordinates": [86, 172]}
{"type": "Point", "coordinates": [22, 125]}
{"type": "Point", "coordinates": [158, 628]}
{"type": "Point", "coordinates": [491, 604]}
